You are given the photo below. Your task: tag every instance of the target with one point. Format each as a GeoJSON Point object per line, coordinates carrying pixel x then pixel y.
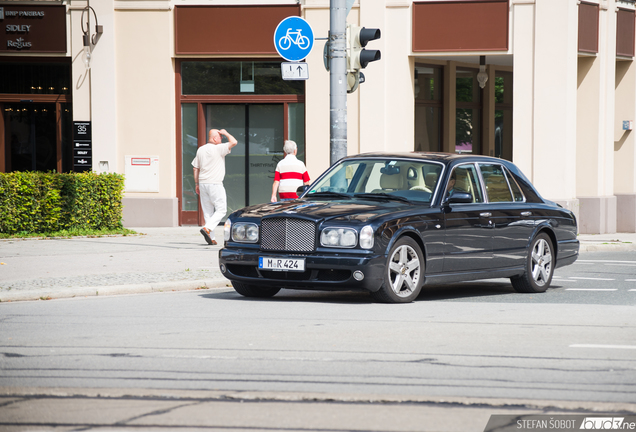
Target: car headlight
{"type": "Point", "coordinates": [339, 237]}
{"type": "Point", "coordinates": [366, 237]}
{"type": "Point", "coordinates": [245, 232]}
{"type": "Point", "coordinates": [227, 230]}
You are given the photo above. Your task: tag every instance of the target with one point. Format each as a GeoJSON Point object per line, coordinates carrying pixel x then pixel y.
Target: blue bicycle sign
{"type": "Point", "coordinates": [293, 38]}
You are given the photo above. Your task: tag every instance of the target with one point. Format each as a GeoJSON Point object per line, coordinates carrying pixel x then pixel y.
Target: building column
{"type": "Point", "coordinates": [103, 91]}
{"type": "Point", "coordinates": [386, 98]}
{"type": "Point", "coordinates": [555, 71]}
{"type": "Point", "coordinates": [595, 131]}
{"type": "Point", "coordinates": [523, 66]}
{"type": "Point", "coordinates": [625, 147]}
{"type": "Point", "coordinates": [80, 76]}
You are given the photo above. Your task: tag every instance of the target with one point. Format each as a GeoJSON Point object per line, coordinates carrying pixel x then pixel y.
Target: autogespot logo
{"type": "Point", "coordinates": [606, 423]}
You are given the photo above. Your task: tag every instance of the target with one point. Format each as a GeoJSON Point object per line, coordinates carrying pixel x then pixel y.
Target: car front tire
{"type": "Point", "coordinates": [247, 290]}
{"type": "Point", "coordinates": [539, 267]}
{"type": "Point", "coordinates": [403, 273]}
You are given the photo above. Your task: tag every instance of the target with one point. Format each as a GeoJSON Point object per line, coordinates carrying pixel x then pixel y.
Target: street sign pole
{"type": "Point", "coordinates": [338, 79]}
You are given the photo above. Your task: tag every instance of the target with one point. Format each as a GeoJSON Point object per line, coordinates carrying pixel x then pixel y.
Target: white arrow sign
{"type": "Point", "coordinates": [294, 71]}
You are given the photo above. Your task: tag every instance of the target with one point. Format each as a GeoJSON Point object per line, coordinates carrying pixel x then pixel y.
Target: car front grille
{"type": "Point", "coordinates": [288, 234]}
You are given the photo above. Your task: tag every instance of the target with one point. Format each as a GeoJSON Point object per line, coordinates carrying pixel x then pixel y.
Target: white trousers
{"type": "Point", "coordinates": [213, 204]}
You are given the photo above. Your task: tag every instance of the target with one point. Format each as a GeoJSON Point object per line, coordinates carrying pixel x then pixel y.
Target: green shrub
{"type": "Point", "coordinates": [36, 202]}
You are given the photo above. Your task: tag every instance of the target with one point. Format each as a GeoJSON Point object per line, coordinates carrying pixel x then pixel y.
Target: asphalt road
{"type": "Point", "coordinates": [212, 360]}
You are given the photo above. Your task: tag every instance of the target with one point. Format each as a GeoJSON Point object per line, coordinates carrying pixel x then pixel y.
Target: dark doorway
{"type": "Point", "coordinates": [30, 134]}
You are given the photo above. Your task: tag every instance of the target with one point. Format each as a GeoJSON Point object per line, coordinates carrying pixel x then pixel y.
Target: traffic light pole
{"type": "Point", "coordinates": [337, 79]}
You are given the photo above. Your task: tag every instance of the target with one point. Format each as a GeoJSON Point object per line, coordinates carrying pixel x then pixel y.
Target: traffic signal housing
{"type": "Point", "coordinates": [357, 56]}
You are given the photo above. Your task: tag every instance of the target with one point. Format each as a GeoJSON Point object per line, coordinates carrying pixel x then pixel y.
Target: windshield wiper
{"type": "Point", "coordinates": [382, 196]}
{"type": "Point", "coordinates": [328, 194]}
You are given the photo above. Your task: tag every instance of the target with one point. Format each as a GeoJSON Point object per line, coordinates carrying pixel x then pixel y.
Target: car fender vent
{"type": "Point", "coordinates": [288, 234]}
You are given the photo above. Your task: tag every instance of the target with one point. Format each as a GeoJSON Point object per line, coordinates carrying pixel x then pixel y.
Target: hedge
{"type": "Point", "coordinates": [37, 202]}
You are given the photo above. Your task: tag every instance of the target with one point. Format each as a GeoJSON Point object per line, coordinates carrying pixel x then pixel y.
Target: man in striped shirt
{"type": "Point", "coordinates": [290, 174]}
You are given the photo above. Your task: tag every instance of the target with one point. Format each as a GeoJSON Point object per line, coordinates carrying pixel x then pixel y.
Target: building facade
{"type": "Point", "coordinates": [133, 86]}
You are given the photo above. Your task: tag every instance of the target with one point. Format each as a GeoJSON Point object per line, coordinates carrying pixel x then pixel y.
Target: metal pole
{"type": "Point", "coordinates": [338, 79]}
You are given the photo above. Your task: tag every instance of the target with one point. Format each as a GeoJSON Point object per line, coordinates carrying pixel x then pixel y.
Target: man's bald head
{"type": "Point", "coordinates": [214, 136]}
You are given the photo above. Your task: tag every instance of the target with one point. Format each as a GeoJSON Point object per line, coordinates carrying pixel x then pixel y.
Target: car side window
{"type": "Point", "coordinates": [464, 179]}
{"type": "Point", "coordinates": [516, 190]}
{"type": "Point", "coordinates": [496, 184]}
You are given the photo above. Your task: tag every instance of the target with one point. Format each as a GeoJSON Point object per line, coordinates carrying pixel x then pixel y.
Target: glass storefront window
{"type": "Point", "coordinates": [35, 78]}
{"type": "Point", "coordinates": [233, 118]}
{"type": "Point", "coordinates": [468, 131]}
{"type": "Point", "coordinates": [428, 108]}
{"type": "Point", "coordinates": [266, 139]}
{"type": "Point", "coordinates": [503, 115]}
{"type": "Point", "coordinates": [296, 127]}
{"type": "Point", "coordinates": [428, 83]}
{"type": "Point", "coordinates": [189, 140]}
{"type": "Point", "coordinates": [468, 113]}
{"type": "Point", "coordinates": [235, 78]}
{"type": "Point", "coordinates": [467, 88]}
{"type": "Point", "coordinates": [31, 132]}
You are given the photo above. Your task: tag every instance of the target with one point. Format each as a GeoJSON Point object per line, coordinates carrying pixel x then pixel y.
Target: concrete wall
{"type": "Point", "coordinates": [146, 114]}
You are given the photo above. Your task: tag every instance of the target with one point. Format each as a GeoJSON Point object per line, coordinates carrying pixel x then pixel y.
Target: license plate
{"type": "Point", "coordinates": [281, 264]}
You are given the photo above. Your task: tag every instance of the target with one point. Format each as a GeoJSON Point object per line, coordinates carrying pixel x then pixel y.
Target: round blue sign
{"type": "Point", "coordinates": [293, 38]}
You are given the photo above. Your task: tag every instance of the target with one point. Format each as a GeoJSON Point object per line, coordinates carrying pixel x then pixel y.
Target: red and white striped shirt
{"type": "Point", "coordinates": [291, 173]}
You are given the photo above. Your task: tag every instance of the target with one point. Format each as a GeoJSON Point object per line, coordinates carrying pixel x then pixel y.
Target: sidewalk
{"type": "Point", "coordinates": [158, 259]}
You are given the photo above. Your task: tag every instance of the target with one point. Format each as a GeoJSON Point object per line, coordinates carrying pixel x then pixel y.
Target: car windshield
{"type": "Point", "coordinates": [374, 179]}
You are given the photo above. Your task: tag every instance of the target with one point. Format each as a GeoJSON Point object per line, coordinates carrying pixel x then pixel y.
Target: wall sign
{"type": "Point", "coordinates": [82, 146]}
{"type": "Point", "coordinates": [29, 29]}
{"type": "Point", "coordinates": [255, 21]}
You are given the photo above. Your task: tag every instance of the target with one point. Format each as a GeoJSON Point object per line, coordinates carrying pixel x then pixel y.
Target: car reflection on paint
{"type": "Point", "coordinates": [390, 224]}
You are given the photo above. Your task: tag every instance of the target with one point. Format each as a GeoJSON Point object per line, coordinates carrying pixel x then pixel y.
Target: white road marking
{"type": "Point", "coordinates": [633, 290]}
{"type": "Point", "coordinates": [591, 289]}
{"type": "Point", "coordinates": [562, 280]}
{"type": "Point", "coordinates": [603, 346]}
{"type": "Point", "coordinates": [587, 278]}
{"type": "Point", "coordinates": [606, 261]}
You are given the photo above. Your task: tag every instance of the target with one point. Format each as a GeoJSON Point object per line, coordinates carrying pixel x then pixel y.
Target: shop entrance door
{"type": "Point", "coordinates": [30, 137]}
{"type": "Point", "coordinates": [249, 169]}
{"type": "Point", "coordinates": [260, 130]}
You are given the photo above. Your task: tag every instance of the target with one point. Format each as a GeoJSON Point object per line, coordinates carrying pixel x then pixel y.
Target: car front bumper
{"type": "Point", "coordinates": [323, 271]}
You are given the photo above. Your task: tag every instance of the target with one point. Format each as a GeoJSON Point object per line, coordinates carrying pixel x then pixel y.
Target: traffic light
{"type": "Point", "coordinates": [358, 57]}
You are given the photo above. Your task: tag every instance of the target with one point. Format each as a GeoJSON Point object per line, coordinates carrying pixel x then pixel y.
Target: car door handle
{"type": "Point", "coordinates": [526, 213]}
{"type": "Point", "coordinates": [485, 214]}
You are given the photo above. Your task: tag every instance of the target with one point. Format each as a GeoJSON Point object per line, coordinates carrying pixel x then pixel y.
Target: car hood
{"type": "Point", "coordinates": [350, 210]}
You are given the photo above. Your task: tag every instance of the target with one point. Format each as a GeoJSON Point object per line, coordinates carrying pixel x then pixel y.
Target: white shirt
{"type": "Point", "coordinates": [210, 161]}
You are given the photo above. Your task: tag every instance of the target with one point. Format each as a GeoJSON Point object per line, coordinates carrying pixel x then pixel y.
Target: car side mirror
{"type": "Point", "coordinates": [301, 189]}
{"type": "Point", "coordinates": [457, 197]}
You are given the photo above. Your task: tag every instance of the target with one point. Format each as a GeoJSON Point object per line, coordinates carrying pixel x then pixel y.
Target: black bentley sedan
{"type": "Point", "coordinates": [392, 223]}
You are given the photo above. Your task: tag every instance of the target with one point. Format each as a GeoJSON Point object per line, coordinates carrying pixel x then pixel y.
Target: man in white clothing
{"type": "Point", "coordinates": [209, 171]}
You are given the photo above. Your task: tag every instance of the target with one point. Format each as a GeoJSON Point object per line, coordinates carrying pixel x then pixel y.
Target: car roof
{"type": "Point", "coordinates": [446, 158]}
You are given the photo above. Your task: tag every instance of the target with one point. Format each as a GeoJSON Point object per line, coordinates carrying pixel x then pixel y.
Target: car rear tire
{"type": "Point", "coordinates": [403, 274]}
{"type": "Point", "coordinates": [247, 290]}
{"type": "Point", "coordinates": [539, 267]}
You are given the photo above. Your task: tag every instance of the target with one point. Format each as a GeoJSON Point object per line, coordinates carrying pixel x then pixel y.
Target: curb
{"type": "Point", "coordinates": [606, 246]}
{"type": "Point", "coordinates": [44, 294]}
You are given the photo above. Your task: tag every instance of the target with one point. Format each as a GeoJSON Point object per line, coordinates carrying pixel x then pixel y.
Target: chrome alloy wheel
{"type": "Point", "coordinates": [541, 262]}
{"type": "Point", "coordinates": [404, 270]}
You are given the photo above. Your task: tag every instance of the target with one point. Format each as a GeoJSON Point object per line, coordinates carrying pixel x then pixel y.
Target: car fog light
{"type": "Point", "coordinates": [358, 275]}
{"type": "Point", "coordinates": [222, 266]}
